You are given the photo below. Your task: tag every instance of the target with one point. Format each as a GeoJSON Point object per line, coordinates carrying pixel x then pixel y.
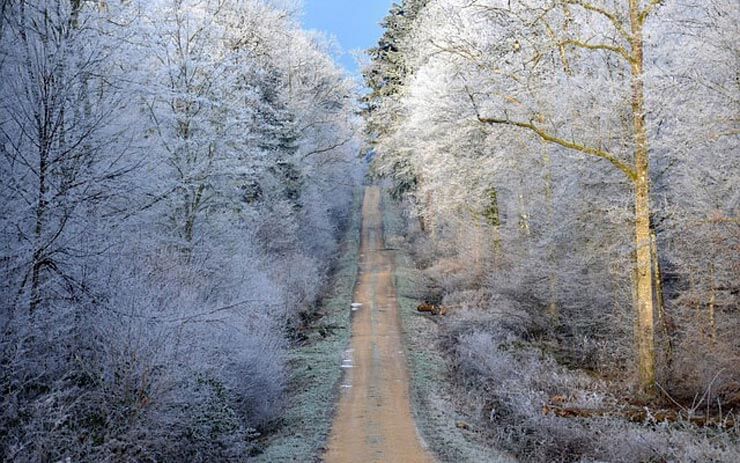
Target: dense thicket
{"type": "Point", "coordinates": [572, 170]}
{"type": "Point", "coordinates": [175, 178]}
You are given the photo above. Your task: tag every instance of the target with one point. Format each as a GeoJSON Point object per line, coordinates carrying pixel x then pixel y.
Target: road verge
{"type": "Point", "coordinates": [314, 365]}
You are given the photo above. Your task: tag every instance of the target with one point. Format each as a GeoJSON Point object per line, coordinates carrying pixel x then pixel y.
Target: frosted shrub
{"type": "Point", "coordinates": [509, 381]}
{"type": "Point", "coordinates": [254, 375]}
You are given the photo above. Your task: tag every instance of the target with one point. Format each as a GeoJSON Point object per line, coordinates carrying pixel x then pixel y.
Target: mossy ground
{"type": "Point", "coordinates": [434, 406]}
{"type": "Point", "coordinates": [314, 366]}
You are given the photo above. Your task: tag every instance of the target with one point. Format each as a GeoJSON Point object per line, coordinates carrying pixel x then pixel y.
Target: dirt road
{"type": "Point", "coordinates": [374, 422]}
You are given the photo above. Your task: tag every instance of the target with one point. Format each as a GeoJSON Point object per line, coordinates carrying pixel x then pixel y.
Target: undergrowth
{"type": "Point", "coordinates": [484, 381]}
{"type": "Point", "coordinates": [443, 424]}
{"type": "Point", "coordinates": [314, 365]}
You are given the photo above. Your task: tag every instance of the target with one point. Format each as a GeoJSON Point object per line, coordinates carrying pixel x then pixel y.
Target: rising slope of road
{"type": "Point", "coordinates": [374, 422]}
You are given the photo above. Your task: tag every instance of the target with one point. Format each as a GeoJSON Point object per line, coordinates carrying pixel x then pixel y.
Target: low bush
{"type": "Point", "coordinates": [508, 382]}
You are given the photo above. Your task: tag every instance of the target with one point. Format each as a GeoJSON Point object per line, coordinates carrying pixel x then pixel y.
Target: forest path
{"type": "Point", "coordinates": [374, 422]}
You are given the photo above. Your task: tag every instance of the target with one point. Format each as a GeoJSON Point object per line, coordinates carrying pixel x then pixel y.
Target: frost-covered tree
{"type": "Point", "coordinates": [65, 149]}
{"type": "Point", "coordinates": [552, 121]}
{"type": "Point", "coordinates": [570, 29]}
{"type": "Point", "coordinates": [176, 177]}
{"type": "Point", "coordinates": [390, 65]}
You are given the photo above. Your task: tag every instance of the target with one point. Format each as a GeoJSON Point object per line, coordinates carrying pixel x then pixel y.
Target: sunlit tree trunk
{"type": "Point", "coordinates": [645, 323]}
{"type": "Point", "coordinates": [638, 172]}
{"type": "Point", "coordinates": [429, 219]}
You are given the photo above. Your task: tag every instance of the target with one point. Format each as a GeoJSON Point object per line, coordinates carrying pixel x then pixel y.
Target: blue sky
{"type": "Point", "coordinates": [354, 23]}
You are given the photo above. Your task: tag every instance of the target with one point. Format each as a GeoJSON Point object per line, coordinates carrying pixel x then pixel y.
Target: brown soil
{"type": "Point", "coordinates": [374, 422]}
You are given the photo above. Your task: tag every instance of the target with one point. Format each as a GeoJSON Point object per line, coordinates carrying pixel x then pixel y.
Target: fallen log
{"type": "Point", "coordinates": [636, 415]}
{"type": "Point", "coordinates": [432, 309]}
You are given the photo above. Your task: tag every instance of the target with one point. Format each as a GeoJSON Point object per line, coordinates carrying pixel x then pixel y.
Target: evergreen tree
{"type": "Point", "coordinates": [385, 76]}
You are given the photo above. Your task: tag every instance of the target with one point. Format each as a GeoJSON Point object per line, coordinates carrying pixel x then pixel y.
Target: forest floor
{"type": "Point", "coordinates": [374, 422]}
{"type": "Point", "coordinates": [443, 422]}
{"type": "Point", "coordinates": [450, 408]}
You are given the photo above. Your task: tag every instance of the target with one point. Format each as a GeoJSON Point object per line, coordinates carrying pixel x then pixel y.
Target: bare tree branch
{"type": "Point", "coordinates": [596, 47]}
{"type": "Point", "coordinates": [611, 16]}
{"type": "Point", "coordinates": [625, 168]}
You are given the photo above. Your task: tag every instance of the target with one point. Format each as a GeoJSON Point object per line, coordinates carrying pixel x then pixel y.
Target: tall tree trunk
{"type": "Point", "coordinates": [553, 311]}
{"type": "Point", "coordinates": [711, 304]}
{"type": "Point", "coordinates": [660, 300]}
{"type": "Point", "coordinates": [44, 137]}
{"type": "Point", "coordinates": [193, 208]}
{"type": "Point", "coordinates": [645, 324]}
{"type": "Point", "coordinates": [492, 216]}
{"type": "Point", "coordinates": [41, 209]}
